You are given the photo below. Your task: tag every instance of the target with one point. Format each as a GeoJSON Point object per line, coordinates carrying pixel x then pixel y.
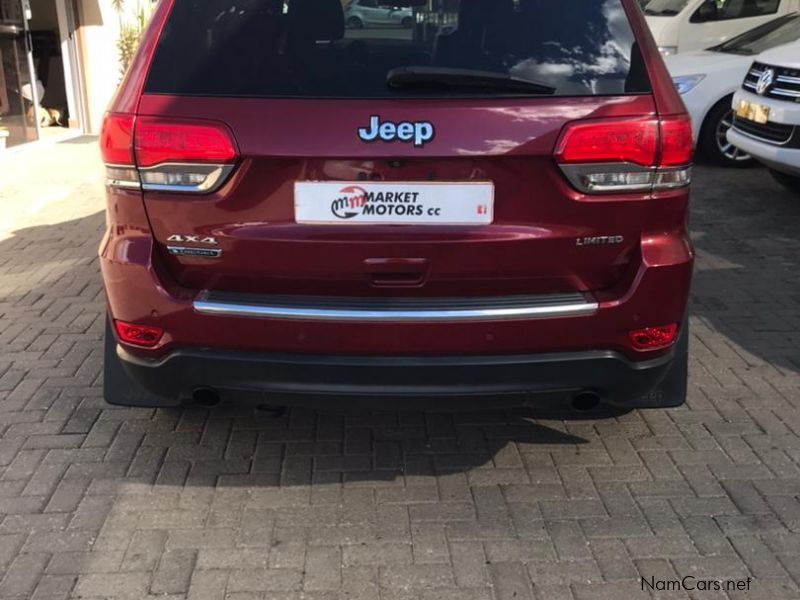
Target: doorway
{"type": "Point", "coordinates": [51, 62]}
{"type": "Point", "coordinates": [15, 77]}
{"type": "Point", "coordinates": [38, 95]}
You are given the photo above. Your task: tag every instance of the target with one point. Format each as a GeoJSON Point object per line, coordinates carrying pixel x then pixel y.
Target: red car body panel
{"type": "Point", "coordinates": [530, 248]}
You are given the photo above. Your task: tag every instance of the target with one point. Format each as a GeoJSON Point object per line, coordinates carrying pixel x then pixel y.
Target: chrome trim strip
{"type": "Point", "coordinates": [194, 252]}
{"type": "Point", "coordinates": [783, 92]}
{"type": "Point", "coordinates": [120, 183]}
{"type": "Point", "coordinates": [787, 79]}
{"type": "Point", "coordinates": [115, 177]}
{"type": "Point", "coordinates": [544, 311]}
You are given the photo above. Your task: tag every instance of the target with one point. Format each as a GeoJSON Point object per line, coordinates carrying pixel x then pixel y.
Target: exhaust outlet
{"type": "Point", "coordinates": [207, 397]}
{"type": "Point", "coordinates": [586, 401]}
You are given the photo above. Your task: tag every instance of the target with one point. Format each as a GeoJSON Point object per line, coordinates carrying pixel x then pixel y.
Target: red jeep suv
{"type": "Point", "coordinates": [485, 206]}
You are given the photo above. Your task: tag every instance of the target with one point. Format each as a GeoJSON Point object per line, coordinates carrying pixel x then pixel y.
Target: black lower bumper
{"type": "Point", "coordinates": [414, 383]}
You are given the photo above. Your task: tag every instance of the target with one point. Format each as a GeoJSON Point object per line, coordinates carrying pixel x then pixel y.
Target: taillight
{"type": "Point", "coordinates": [158, 141]}
{"type": "Point", "coordinates": [138, 335]}
{"type": "Point", "coordinates": [676, 141]}
{"type": "Point", "coordinates": [653, 338]}
{"type": "Point", "coordinates": [626, 155]}
{"type": "Point", "coordinates": [116, 147]}
{"type": "Point", "coordinates": [166, 155]}
{"type": "Point", "coordinates": [634, 141]}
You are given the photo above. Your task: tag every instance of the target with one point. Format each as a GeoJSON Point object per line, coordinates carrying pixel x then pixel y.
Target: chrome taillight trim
{"type": "Point", "coordinates": [654, 178]}
{"type": "Point", "coordinates": [215, 176]}
{"type": "Point", "coordinates": [129, 177]}
{"type": "Point", "coordinates": [123, 176]}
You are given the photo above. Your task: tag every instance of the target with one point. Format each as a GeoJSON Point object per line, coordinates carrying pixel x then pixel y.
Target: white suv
{"type": "Point", "coordinates": [767, 113]}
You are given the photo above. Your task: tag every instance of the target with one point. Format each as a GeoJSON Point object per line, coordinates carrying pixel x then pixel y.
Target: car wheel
{"type": "Point", "coordinates": [355, 23]}
{"type": "Point", "coordinates": [714, 139]}
{"type": "Point", "coordinates": [790, 182]}
{"type": "Point", "coordinates": [407, 22]}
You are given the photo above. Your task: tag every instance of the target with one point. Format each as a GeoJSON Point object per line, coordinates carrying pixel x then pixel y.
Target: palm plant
{"type": "Point", "coordinates": [130, 31]}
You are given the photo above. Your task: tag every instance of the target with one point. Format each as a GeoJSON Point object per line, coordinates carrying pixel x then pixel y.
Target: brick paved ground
{"type": "Point", "coordinates": [98, 502]}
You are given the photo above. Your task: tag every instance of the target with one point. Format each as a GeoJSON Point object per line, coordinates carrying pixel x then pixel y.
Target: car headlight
{"type": "Point", "coordinates": [668, 50]}
{"type": "Point", "coordinates": [687, 83]}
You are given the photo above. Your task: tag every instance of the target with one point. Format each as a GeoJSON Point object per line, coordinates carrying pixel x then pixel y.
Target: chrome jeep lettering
{"type": "Point", "coordinates": [419, 132]}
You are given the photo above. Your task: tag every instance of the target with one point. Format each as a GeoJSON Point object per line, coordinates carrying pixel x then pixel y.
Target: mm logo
{"type": "Point", "coordinates": [417, 133]}
{"type": "Point", "coordinates": [350, 202]}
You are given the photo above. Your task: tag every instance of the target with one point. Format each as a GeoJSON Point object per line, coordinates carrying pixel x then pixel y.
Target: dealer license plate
{"type": "Point", "coordinates": [753, 111]}
{"type": "Point", "coordinates": [363, 203]}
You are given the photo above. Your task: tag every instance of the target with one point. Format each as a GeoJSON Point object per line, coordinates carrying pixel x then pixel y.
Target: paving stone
{"type": "Point", "coordinates": [98, 501]}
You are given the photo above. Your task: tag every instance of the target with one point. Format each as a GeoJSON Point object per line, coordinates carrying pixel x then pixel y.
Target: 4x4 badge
{"type": "Point", "coordinates": [417, 132]}
{"type": "Point", "coordinates": [193, 239]}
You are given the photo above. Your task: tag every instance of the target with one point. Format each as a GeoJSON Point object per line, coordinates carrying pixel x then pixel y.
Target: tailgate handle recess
{"type": "Point", "coordinates": [396, 272]}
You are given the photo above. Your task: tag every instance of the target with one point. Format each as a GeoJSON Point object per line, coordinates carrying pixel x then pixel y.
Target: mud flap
{"type": "Point", "coordinates": [671, 392]}
{"type": "Point", "coordinates": [118, 387]}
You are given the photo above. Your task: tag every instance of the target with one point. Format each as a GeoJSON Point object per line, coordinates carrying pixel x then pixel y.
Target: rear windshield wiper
{"type": "Point", "coordinates": [447, 78]}
{"type": "Point", "coordinates": [666, 12]}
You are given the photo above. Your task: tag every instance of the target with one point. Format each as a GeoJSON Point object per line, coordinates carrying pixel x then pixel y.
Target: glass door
{"type": "Point", "coordinates": [18, 96]}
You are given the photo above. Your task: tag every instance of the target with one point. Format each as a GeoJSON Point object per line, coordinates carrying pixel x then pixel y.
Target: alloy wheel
{"type": "Point", "coordinates": [727, 149]}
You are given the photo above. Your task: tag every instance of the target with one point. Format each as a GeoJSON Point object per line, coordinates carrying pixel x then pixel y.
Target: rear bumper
{"type": "Point", "coordinates": [391, 383]}
{"type": "Point", "coordinates": [653, 293]}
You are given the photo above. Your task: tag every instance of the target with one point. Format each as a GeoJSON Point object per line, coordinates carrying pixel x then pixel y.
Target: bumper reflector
{"type": "Point", "coordinates": [138, 335]}
{"type": "Point", "coordinates": [653, 338]}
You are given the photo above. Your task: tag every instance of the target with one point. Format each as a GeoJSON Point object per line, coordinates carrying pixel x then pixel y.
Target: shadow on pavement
{"type": "Point", "coordinates": [746, 284]}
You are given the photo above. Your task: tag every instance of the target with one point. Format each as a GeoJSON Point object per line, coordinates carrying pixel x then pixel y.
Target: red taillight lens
{"type": "Point", "coordinates": [116, 139]}
{"type": "Point", "coordinates": [158, 141]}
{"type": "Point", "coordinates": [627, 155]}
{"type": "Point", "coordinates": [634, 141]}
{"type": "Point", "coordinates": [138, 335]}
{"type": "Point", "coordinates": [653, 338]}
{"type": "Point", "coordinates": [155, 154]}
{"type": "Point", "coordinates": [676, 141]}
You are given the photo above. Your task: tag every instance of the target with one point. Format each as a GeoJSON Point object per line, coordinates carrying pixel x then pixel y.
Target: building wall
{"type": "Point", "coordinates": [98, 30]}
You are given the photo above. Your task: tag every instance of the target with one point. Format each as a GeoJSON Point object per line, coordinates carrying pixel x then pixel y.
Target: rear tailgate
{"type": "Point", "coordinates": [533, 243]}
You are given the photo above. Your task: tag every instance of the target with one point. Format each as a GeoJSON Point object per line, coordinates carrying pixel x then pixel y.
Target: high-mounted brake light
{"type": "Point", "coordinates": [138, 335]}
{"type": "Point", "coordinates": [626, 155]}
{"type": "Point", "coordinates": [156, 154]}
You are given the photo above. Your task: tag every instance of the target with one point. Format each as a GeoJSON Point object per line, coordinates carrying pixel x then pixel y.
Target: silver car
{"type": "Point", "coordinates": [371, 13]}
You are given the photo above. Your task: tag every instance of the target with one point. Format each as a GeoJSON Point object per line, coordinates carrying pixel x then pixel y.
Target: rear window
{"type": "Point", "coordinates": [419, 48]}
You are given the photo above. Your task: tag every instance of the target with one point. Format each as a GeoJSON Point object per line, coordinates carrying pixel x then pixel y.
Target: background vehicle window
{"type": "Point", "coordinates": [736, 9]}
{"type": "Point", "coordinates": [327, 49]}
{"type": "Point", "coordinates": [665, 8]}
{"type": "Point", "coordinates": [775, 33]}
